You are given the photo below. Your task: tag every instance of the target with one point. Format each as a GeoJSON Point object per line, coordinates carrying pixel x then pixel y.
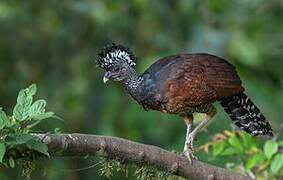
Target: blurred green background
{"type": "Point", "coordinates": [54, 44]}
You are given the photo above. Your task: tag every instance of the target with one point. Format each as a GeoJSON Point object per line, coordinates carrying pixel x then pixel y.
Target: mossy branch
{"type": "Point", "coordinates": [131, 152]}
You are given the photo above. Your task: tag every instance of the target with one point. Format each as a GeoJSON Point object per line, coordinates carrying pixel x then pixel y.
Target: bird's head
{"type": "Point", "coordinates": [116, 60]}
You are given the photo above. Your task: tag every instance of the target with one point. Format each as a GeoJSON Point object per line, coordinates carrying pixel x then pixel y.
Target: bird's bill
{"type": "Point", "coordinates": [106, 77]}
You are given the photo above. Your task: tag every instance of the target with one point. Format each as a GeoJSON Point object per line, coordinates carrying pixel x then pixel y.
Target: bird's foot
{"type": "Point", "coordinates": [189, 153]}
{"type": "Point", "coordinates": [189, 148]}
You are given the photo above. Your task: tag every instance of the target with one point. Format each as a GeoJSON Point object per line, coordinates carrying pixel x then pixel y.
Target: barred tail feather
{"type": "Point", "coordinates": [246, 115]}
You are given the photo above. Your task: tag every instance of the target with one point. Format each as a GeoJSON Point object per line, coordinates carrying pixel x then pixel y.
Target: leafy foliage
{"type": "Point", "coordinates": [263, 162]}
{"type": "Point", "coordinates": [15, 138]}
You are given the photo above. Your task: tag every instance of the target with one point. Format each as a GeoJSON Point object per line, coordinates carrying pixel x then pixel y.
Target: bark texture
{"type": "Point", "coordinates": [128, 151]}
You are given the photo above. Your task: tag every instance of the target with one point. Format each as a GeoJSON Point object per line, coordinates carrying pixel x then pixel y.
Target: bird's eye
{"type": "Point", "coordinates": [116, 69]}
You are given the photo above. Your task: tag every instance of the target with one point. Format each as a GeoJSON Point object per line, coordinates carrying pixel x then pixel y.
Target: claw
{"type": "Point", "coordinates": [190, 155]}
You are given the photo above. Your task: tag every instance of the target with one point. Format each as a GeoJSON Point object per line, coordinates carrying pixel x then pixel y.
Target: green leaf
{"type": "Point", "coordinates": [42, 116]}
{"type": "Point", "coordinates": [230, 151]}
{"type": "Point", "coordinates": [235, 142]}
{"type": "Point", "coordinates": [252, 161]}
{"type": "Point", "coordinates": [38, 107]}
{"type": "Point", "coordinates": [18, 138]}
{"type": "Point", "coordinates": [38, 146]}
{"type": "Point", "coordinates": [277, 163]}
{"type": "Point", "coordinates": [2, 151]}
{"type": "Point", "coordinates": [21, 112]}
{"type": "Point", "coordinates": [24, 100]}
{"type": "Point", "coordinates": [270, 148]}
{"type": "Point", "coordinates": [248, 140]}
{"type": "Point", "coordinates": [4, 120]}
{"type": "Point", "coordinates": [31, 90]}
{"type": "Point", "coordinates": [11, 162]}
{"type": "Point", "coordinates": [23, 97]}
{"type": "Point", "coordinates": [218, 148]}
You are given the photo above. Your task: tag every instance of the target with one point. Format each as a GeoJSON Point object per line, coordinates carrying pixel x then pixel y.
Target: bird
{"type": "Point", "coordinates": [184, 84]}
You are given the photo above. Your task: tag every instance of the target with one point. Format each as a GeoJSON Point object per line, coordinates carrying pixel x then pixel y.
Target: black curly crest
{"type": "Point", "coordinates": [113, 53]}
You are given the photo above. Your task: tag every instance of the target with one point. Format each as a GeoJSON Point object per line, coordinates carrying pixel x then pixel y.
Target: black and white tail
{"type": "Point", "coordinates": [246, 115]}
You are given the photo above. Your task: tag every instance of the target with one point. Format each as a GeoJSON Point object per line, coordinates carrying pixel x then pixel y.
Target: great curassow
{"type": "Point", "coordinates": [185, 84]}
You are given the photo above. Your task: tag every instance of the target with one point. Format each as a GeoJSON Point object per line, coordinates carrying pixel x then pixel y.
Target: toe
{"type": "Point", "coordinates": [190, 155]}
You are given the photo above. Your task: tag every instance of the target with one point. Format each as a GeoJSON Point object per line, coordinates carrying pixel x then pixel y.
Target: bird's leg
{"type": "Point", "coordinates": [188, 148]}
{"type": "Point", "coordinates": [189, 123]}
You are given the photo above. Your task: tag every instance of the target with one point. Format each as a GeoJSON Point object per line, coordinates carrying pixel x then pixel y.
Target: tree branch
{"type": "Point", "coordinates": [128, 151]}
